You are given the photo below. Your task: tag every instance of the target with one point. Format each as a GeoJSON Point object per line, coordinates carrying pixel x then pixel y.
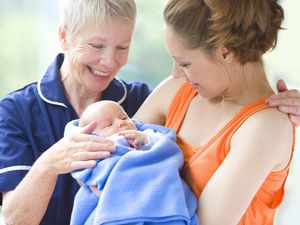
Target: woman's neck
{"type": "Point", "coordinates": [248, 83]}
{"type": "Point", "coordinates": [78, 96]}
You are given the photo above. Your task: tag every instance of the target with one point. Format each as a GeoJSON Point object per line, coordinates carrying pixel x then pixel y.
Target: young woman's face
{"type": "Point", "coordinates": [96, 53]}
{"type": "Point", "coordinates": [204, 72]}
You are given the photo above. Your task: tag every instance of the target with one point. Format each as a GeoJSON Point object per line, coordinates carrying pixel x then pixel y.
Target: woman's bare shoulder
{"type": "Point", "coordinates": [268, 133]}
{"type": "Point", "coordinates": [154, 109]}
{"type": "Point", "coordinates": [271, 123]}
{"type": "Point", "coordinates": [171, 84]}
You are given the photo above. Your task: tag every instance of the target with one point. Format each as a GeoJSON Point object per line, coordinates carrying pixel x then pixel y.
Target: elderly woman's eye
{"type": "Point", "coordinates": [123, 48]}
{"type": "Point", "coordinates": [96, 46]}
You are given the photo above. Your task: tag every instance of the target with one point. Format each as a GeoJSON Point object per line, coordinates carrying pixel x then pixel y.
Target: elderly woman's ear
{"type": "Point", "coordinates": [62, 34]}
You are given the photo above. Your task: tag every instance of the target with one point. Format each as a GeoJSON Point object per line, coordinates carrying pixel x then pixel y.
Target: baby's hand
{"type": "Point", "coordinates": [136, 138]}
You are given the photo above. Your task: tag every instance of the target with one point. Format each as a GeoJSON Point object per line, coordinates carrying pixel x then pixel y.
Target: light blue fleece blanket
{"type": "Point", "coordinates": [137, 187]}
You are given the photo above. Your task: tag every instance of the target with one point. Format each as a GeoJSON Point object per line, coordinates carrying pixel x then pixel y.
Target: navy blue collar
{"type": "Point", "coordinates": [51, 90]}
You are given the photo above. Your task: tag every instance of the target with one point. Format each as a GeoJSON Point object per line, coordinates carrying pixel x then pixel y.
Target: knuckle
{"type": "Point", "coordinates": [88, 145]}
{"type": "Point", "coordinates": [68, 149]}
{"type": "Point", "coordinates": [297, 122]}
{"type": "Point", "coordinates": [297, 112]}
{"type": "Point", "coordinates": [291, 101]}
{"type": "Point", "coordinates": [72, 137]}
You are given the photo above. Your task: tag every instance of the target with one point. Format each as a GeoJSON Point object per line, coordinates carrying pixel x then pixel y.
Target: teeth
{"type": "Point", "coordinates": [99, 73]}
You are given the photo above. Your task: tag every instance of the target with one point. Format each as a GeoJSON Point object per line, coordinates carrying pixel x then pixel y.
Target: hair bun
{"type": "Point", "coordinates": [248, 28]}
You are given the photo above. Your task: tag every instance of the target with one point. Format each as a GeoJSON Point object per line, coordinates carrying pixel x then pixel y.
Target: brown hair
{"type": "Point", "coordinates": [248, 28]}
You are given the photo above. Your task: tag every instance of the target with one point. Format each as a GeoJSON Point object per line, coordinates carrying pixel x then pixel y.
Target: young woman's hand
{"type": "Point", "coordinates": [287, 101]}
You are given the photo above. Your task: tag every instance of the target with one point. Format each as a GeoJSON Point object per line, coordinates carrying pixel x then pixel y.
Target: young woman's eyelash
{"type": "Point", "coordinates": [184, 65]}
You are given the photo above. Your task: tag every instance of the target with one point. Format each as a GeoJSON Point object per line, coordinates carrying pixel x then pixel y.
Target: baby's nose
{"type": "Point", "coordinates": [120, 123]}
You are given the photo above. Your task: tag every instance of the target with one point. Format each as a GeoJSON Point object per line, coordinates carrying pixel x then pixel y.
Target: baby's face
{"type": "Point", "coordinates": [113, 120]}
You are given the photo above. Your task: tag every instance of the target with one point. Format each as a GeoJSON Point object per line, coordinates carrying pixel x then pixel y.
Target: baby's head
{"type": "Point", "coordinates": [110, 117]}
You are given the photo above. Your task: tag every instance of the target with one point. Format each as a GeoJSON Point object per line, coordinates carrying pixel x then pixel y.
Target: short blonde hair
{"type": "Point", "coordinates": [75, 14]}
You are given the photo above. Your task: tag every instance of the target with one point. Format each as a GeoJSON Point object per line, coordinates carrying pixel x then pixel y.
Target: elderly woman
{"type": "Point", "coordinates": [95, 37]}
{"type": "Point", "coordinates": [35, 158]}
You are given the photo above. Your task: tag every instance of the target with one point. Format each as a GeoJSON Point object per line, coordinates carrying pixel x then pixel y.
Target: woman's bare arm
{"type": "Point", "coordinates": [261, 145]}
{"type": "Point", "coordinates": [28, 202]}
{"type": "Point", "coordinates": [155, 107]}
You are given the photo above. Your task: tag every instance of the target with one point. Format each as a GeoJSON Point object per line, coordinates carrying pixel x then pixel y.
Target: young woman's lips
{"type": "Point", "coordinates": [195, 85]}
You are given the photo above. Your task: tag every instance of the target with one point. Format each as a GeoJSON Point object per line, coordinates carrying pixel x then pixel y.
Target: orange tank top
{"type": "Point", "coordinates": [201, 162]}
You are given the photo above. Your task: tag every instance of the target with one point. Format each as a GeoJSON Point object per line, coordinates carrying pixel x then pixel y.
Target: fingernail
{"type": "Point", "coordinates": [112, 148]}
{"type": "Point", "coordinates": [105, 154]}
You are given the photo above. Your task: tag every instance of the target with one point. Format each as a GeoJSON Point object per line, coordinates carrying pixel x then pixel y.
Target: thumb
{"type": "Point", "coordinates": [89, 128]}
{"type": "Point", "coordinates": [281, 86]}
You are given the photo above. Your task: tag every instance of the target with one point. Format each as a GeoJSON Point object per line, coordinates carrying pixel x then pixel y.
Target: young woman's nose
{"type": "Point", "coordinates": [177, 70]}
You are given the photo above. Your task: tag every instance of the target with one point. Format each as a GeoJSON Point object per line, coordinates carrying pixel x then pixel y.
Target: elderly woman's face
{"type": "Point", "coordinates": [97, 53]}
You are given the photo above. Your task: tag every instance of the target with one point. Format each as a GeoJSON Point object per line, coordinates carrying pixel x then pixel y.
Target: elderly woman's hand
{"type": "Point", "coordinates": [76, 151]}
{"type": "Point", "coordinates": [287, 101]}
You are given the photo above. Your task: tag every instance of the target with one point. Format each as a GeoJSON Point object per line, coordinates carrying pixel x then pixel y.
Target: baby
{"type": "Point", "coordinates": [113, 122]}
{"type": "Point", "coordinates": [142, 178]}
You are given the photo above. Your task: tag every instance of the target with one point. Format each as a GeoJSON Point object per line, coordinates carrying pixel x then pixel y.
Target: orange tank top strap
{"type": "Point", "coordinates": [239, 118]}
{"type": "Point", "coordinates": [179, 106]}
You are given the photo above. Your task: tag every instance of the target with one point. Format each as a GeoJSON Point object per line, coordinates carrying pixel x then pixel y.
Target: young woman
{"type": "Point", "coordinates": [237, 149]}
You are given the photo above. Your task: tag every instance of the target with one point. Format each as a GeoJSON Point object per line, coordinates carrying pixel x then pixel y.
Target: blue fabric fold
{"type": "Point", "coordinates": [137, 187]}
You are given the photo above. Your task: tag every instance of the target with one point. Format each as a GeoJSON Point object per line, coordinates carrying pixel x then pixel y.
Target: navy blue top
{"type": "Point", "coordinates": [33, 118]}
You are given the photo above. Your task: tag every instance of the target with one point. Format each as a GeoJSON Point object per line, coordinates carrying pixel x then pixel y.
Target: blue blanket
{"type": "Point", "coordinates": [137, 187]}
